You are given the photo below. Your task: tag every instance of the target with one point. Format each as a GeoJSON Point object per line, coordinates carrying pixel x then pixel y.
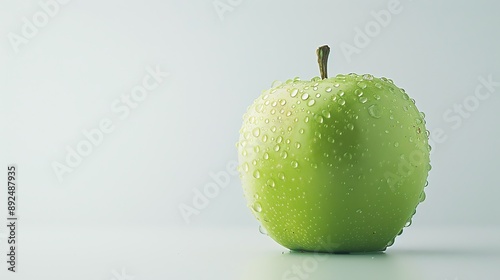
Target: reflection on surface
{"type": "Point", "coordinates": [301, 265]}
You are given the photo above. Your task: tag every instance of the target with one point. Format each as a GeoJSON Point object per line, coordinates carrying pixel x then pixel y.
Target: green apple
{"type": "Point", "coordinates": [334, 164]}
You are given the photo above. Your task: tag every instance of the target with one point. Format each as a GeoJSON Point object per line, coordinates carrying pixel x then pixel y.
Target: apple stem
{"type": "Point", "coordinates": [323, 53]}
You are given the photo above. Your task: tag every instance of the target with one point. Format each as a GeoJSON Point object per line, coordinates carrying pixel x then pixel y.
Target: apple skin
{"type": "Point", "coordinates": [334, 165]}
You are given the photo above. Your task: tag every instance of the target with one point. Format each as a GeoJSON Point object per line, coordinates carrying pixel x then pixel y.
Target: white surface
{"type": "Point", "coordinates": [243, 253]}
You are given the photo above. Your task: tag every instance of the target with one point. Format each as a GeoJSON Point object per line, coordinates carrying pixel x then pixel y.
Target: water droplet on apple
{"type": "Point", "coordinates": [315, 79]}
{"type": "Point", "coordinates": [341, 101]}
{"type": "Point", "coordinates": [361, 85]}
{"type": "Point", "coordinates": [396, 144]}
{"type": "Point", "coordinates": [279, 139]}
{"type": "Point", "coordinates": [271, 183]}
{"type": "Point", "coordinates": [348, 155]}
{"type": "Point", "coordinates": [277, 147]}
{"type": "Point", "coordinates": [294, 92]}
{"type": "Point", "coordinates": [376, 96]}
{"type": "Point", "coordinates": [294, 164]}
{"type": "Point", "coordinates": [297, 145]}
{"type": "Point", "coordinates": [273, 128]}
{"type": "Point", "coordinates": [319, 118]}
{"type": "Point", "coordinates": [363, 99]}
{"type": "Point", "coordinates": [256, 174]}
{"type": "Point", "coordinates": [301, 131]}
{"type": "Point", "coordinates": [256, 149]}
{"type": "Point", "coordinates": [262, 230]}
{"type": "Point", "coordinates": [350, 126]}
{"type": "Point", "coordinates": [264, 138]}
{"type": "Point", "coordinates": [331, 139]}
{"type": "Point", "coordinates": [245, 167]}
{"type": "Point", "coordinates": [281, 176]}
{"type": "Point", "coordinates": [378, 85]}
{"type": "Point", "coordinates": [256, 132]}
{"type": "Point", "coordinates": [328, 89]}
{"type": "Point", "coordinates": [368, 77]}
{"type": "Point", "coordinates": [422, 197]}
{"type": "Point", "coordinates": [284, 154]}
{"type": "Point", "coordinates": [311, 102]}
{"type": "Point", "coordinates": [276, 84]}
{"type": "Point", "coordinates": [266, 155]}
{"type": "Point", "coordinates": [426, 184]}
{"type": "Point", "coordinates": [390, 243]}
{"type": "Point", "coordinates": [306, 119]}
{"type": "Point", "coordinates": [257, 207]}
{"type": "Point", "coordinates": [408, 223]}
{"type": "Point", "coordinates": [374, 111]}
{"type": "Point", "coordinates": [427, 133]}
{"type": "Point", "coordinates": [359, 211]}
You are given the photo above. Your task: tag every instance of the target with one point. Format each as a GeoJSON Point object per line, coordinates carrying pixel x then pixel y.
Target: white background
{"type": "Point", "coordinates": [65, 77]}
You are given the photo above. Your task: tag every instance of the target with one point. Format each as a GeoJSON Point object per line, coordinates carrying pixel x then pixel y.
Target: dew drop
{"type": "Point", "coordinates": [264, 138]}
{"type": "Point", "coordinates": [306, 119]}
{"type": "Point", "coordinates": [277, 147]}
{"type": "Point", "coordinates": [271, 183]}
{"type": "Point", "coordinates": [279, 139]}
{"type": "Point", "coordinates": [326, 114]}
{"type": "Point", "coordinates": [301, 131]}
{"type": "Point", "coordinates": [396, 144]}
{"type": "Point", "coordinates": [328, 89]}
{"type": "Point", "coordinates": [319, 119]}
{"type": "Point", "coordinates": [282, 102]}
{"type": "Point", "coordinates": [245, 167]}
{"type": "Point", "coordinates": [294, 92]}
{"type": "Point", "coordinates": [257, 207]}
{"type": "Point", "coordinates": [374, 111]}
{"type": "Point", "coordinates": [350, 126]}
{"type": "Point", "coordinates": [341, 101]}
{"type": "Point", "coordinates": [311, 102]}
{"type": "Point", "coordinates": [284, 154]}
{"type": "Point", "coordinates": [363, 99]}
{"type": "Point", "coordinates": [266, 155]}
{"type": "Point", "coordinates": [276, 84]}
{"type": "Point", "coordinates": [256, 174]}
{"type": "Point", "coordinates": [297, 145]}
{"type": "Point", "coordinates": [422, 197]}
{"type": "Point", "coordinates": [262, 230]}
{"type": "Point", "coordinates": [408, 223]}
{"type": "Point", "coordinates": [361, 85]}
{"type": "Point", "coordinates": [256, 132]}
{"type": "Point", "coordinates": [281, 176]}
{"type": "Point", "coordinates": [368, 77]}
{"type": "Point", "coordinates": [294, 164]}
{"type": "Point", "coordinates": [304, 96]}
